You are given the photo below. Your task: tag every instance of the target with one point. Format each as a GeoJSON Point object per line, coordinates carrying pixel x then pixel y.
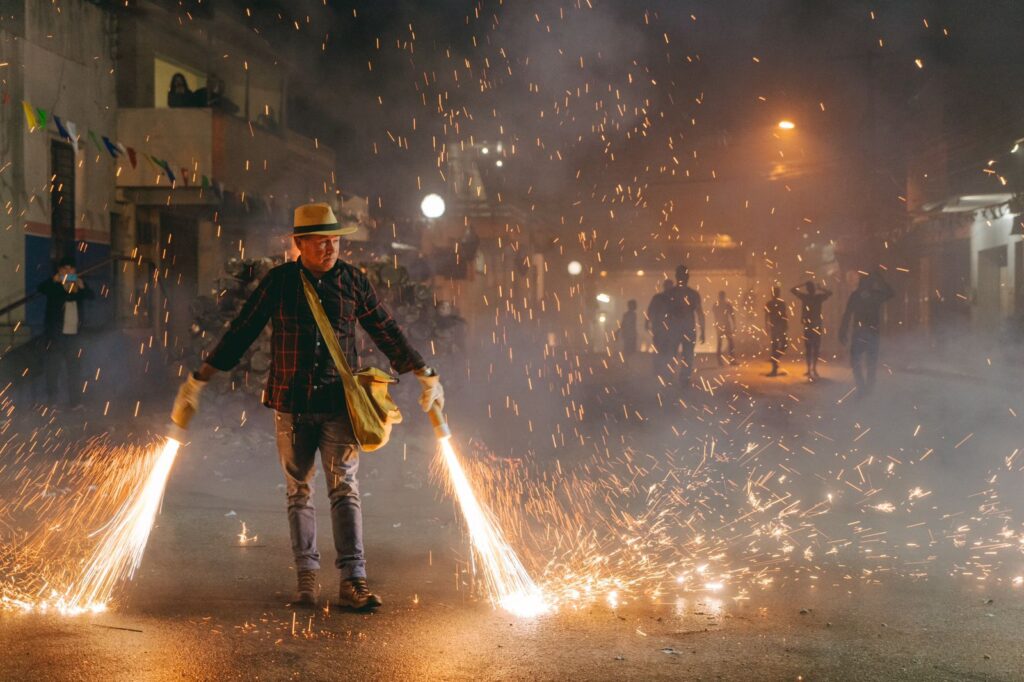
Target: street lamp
{"type": "Point", "coordinates": [786, 124]}
{"type": "Point", "coordinates": [432, 206]}
{"type": "Point", "coordinates": [575, 267]}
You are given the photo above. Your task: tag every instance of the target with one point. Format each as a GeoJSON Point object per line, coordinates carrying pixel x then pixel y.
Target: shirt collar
{"type": "Point", "coordinates": [332, 272]}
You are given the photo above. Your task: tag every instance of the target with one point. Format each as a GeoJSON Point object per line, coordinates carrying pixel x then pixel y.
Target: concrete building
{"type": "Point", "coordinates": [176, 184]}
{"type": "Point", "coordinates": [234, 170]}
{"type": "Point", "coordinates": [58, 197]}
{"type": "Point", "coordinates": [992, 249]}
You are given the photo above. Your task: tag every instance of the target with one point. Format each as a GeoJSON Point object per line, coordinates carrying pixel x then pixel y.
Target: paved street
{"type": "Point", "coordinates": [203, 607]}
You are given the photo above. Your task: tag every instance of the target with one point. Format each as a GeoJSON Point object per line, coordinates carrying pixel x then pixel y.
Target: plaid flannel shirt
{"type": "Point", "coordinates": [302, 374]}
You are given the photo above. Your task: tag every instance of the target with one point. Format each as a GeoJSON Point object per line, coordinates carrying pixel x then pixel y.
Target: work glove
{"type": "Point", "coordinates": [432, 390]}
{"type": "Point", "coordinates": [186, 403]}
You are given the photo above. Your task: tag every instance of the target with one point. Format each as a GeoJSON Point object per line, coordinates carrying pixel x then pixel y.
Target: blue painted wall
{"type": "Point", "coordinates": [99, 312]}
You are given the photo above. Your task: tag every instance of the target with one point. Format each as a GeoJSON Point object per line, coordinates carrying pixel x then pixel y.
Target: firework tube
{"type": "Point", "coordinates": [438, 421]}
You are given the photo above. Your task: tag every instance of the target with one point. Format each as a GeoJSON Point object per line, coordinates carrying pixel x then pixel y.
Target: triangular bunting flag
{"type": "Point", "coordinates": [72, 131]}
{"type": "Point", "coordinates": [30, 116]}
{"type": "Point", "coordinates": [95, 141]}
{"type": "Point", "coordinates": [114, 151]}
{"type": "Point", "coordinates": [184, 175]}
{"type": "Point", "coordinates": [131, 156]}
{"type": "Point", "coordinates": [43, 117]}
{"type": "Point", "coordinates": [61, 130]}
{"type": "Point", "coordinates": [205, 182]}
{"type": "Point", "coordinates": [166, 167]}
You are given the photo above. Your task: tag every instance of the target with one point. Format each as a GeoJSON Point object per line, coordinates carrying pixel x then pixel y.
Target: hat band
{"type": "Point", "coordinates": [307, 229]}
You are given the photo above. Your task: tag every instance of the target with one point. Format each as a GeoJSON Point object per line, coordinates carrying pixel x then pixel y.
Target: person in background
{"type": "Point", "coordinates": [627, 328]}
{"type": "Point", "coordinates": [725, 326]}
{"type": "Point", "coordinates": [64, 293]}
{"type": "Point", "coordinates": [685, 313]}
{"type": "Point", "coordinates": [811, 299]}
{"type": "Point", "coordinates": [864, 314]}
{"type": "Point", "coordinates": [658, 321]}
{"type": "Point", "coordinates": [213, 95]}
{"type": "Point", "coordinates": [776, 322]}
{"type": "Point", "coordinates": [179, 94]}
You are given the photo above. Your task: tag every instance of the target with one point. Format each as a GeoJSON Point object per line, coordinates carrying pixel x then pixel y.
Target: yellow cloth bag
{"type": "Point", "coordinates": [371, 410]}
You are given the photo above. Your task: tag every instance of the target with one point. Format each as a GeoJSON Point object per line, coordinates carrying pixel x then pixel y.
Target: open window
{"type": "Point", "coordinates": [168, 89]}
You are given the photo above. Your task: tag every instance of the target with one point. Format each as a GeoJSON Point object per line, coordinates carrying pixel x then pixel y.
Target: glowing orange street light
{"type": "Point", "coordinates": [786, 124]}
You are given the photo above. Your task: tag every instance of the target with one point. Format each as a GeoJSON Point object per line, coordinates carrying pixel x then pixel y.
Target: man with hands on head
{"type": "Point", "coordinates": [64, 293]}
{"type": "Point", "coordinates": [305, 391]}
{"type": "Point", "coordinates": [864, 316]}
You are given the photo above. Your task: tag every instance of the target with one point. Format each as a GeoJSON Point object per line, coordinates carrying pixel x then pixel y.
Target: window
{"type": "Point", "coordinates": [164, 72]}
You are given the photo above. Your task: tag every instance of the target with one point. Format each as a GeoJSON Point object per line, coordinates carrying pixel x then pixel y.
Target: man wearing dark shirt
{"type": "Point", "coordinates": [811, 299]}
{"type": "Point", "coordinates": [658, 320]}
{"type": "Point", "coordinates": [64, 293]}
{"type": "Point", "coordinates": [864, 313]}
{"type": "Point", "coordinates": [306, 393]}
{"type": "Point", "coordinates": [685, 312]}
{"type": "Point", "coordinates": [776, 321]}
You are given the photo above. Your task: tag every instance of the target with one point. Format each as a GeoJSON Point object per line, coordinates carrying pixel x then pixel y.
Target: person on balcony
{"type": "Point", "coordinates": [213, 96]}
{"type": "Point", "coordinates": [179, 94]}
{"type": "Point", "coordinates": [64, 291]}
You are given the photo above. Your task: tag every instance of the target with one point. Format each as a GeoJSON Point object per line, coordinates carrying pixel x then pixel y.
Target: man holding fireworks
{"type": "Point", "coordinates": [305, 391]}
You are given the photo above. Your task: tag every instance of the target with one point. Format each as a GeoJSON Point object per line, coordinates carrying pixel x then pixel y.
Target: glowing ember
{"type": "Point", "coordinates": [508, 583]}
{"type": "Point", "coordinates": [244, 538]}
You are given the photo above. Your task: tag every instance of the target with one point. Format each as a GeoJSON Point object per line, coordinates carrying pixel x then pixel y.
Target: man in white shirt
{"type": "Point", "coordinates": [64, 292]}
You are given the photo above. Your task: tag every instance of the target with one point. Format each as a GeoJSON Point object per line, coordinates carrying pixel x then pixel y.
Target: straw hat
{"type": "Point", "coordinates": [318, 219]}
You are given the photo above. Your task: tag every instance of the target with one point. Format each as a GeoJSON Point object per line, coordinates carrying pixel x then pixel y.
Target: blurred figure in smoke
{"type": "Point", "coordinates": [864, 311]}
{"type": "Point", "coordinates": [686, 311]}
{"type": "Point", "coordinates": [725, 326]}
{"type": "Point", "coordinates": [627, 328]}
{"type": "Point", "coordinates": [63, 292]}
{"type": "Point", "coordinates": [811, 299]}
{"type": "Point", "coordinates": [659, 322]}
{"type": "Point", "coordinates": [776, 321]}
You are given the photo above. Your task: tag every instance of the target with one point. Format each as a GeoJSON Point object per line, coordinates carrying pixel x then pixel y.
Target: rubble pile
{"type": "Point", "coordinates": [213, 313]}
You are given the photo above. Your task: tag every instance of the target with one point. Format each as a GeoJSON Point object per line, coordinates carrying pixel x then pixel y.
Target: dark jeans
{"type": "Point", "coordinates": [864, 358]}
{"type": "Point", "coordinates": [779, 345]}
{"type": "Point", "coordinates": [62, 349]}
{"type": "Point", "coordinates": [299, 436]}
{"type": "Point", "coordinates": [689, 340]}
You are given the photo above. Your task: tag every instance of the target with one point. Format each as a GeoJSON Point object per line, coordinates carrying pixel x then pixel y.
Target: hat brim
{"type": "Point", "coordinates": [325, 230]}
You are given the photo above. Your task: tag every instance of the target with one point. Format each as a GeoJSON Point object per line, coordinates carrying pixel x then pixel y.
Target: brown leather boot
{"type": "Point", "coordinates": [355, 594]}
{"type": "Point", "coordinates": [308, 592]}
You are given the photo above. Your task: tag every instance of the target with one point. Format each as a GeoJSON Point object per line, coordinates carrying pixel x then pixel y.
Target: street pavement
{"type": "Point", "coordinates": [205, 607]}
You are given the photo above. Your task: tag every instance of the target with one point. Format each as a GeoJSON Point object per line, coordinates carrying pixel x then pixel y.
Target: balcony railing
{"type": "Point", "coordinates": [234, 154]}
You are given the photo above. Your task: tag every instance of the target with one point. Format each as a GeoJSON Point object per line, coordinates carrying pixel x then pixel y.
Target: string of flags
{"type": "Point", "coordinates": [38, 118]}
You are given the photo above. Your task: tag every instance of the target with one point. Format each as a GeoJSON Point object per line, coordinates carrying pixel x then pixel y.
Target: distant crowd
{"type": "Point", "coordinates": [676, 321]}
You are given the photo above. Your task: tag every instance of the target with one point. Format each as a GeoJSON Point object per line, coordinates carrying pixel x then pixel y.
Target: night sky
{"type": "Point", "coordinates": [609, 104]}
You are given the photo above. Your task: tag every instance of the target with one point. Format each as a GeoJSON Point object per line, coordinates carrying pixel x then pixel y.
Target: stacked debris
{"type": "Point", "coordinates": [213, 313]}
{"type": "Point", "coordinates": [435, 328]}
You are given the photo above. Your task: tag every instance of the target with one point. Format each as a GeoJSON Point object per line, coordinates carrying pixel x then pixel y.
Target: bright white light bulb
{"type": "Point", "coordinates": [575, 267]}
{"type": "Point", "coordinates": [432, 206]}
